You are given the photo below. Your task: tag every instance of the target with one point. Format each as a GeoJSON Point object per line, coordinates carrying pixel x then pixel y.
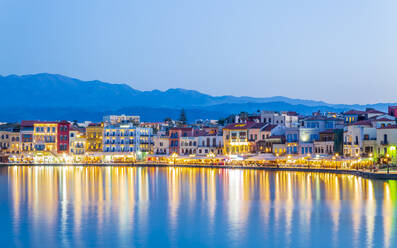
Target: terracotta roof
{"type": "Point", "coordinates": [181, 129]}
{"type": "Point", "coordinates": [269, 127]}
{"type": "Point", "coordinates": [354, 112]}
{"type": "Point", "coordinates": [322, 118]}
{"type": "Point", "coordinates": [290, 113]}
{"type": "Point", "coordinates": [374, 111]}
{"type": "Point", "coordinates": [362, 123]}
{"type": "Point", "coordinates": [394, 126]}
{"type": "Point", "coordinates": [27, 123]}
{"type": "Point", "coordinates": [240, 126]}
{"type": "Point", "coordinates": [203, 133]}
{"type": "Point", "coordinates": [383, 119]}
{"type": "Point", "coordinates": [258, 125]}
{"type": "Point", "coordinates": [94, 124]}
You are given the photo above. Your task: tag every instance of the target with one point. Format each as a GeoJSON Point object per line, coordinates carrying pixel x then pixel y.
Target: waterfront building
{"type": "Point", "coordinates": [63, 129]}
{"type": "Point", "coordinates": [235, 138]}
{"type": "Point", "coordinates": [45, 137]}
{"type": "Point", "coordinates": [310, 128]}
{"type": "Point", "coordinates": [175, 134]}
{"type": "Point", "coordinates": [161, 145]}
{"type": "Point", "coordinates": [330, 142]}
{"type": "Point", "coordinates": [359, 138]}
{"type": "Point", "coordinates": [10, 143]}
{"type": "Point", "coordinates": [279, 148]}
{"type": "Point", "coordinates": [292, 140]}
{"type": "Point", "coordinates": [325, 145]}
{"type": "Point", "coordinates": [117, 119]}
{"type": "Point", "coordinates": [27, 128]}
{"type": "Point", "coordinates": [209, 142]}
{"type": "Point", "coordinates": [272, 144]}
{"type": "Point", "coordinates": [51, 137]}
{"type": "Point", "coordinates": [188, 145]}
{"type": "Point", "coordinates": [256, 133]}
{"type": "Point", "coordinates": [126, 139]}
{"type": "Point", "coordinates": [94, 138]}
{"type": "Point", "coordinates": [268, 134]}
{"type": "Point", "coordinates": [386, 139]}
{"type": "Point", "coordinates": [77, 142]}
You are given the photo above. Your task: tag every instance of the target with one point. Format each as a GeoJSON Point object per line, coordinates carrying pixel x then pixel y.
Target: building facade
{"type": "Point", "coordinates": [94, 137]}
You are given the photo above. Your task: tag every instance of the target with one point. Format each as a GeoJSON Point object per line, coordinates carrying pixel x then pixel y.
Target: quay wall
{"type": "Point", "coordinates": [364, 174]}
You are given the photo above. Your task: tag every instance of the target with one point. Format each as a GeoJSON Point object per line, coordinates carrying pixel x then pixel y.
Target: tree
{"type": "Point", "coordinates": [182, 117]}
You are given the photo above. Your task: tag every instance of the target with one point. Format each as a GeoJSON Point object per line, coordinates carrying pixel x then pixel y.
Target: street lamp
{"type": "Point", "coordinates": [174, 156]}
{"type": "Point", "coordinates": [393, 152]}
{"type": "Point", "coordinates": [387, 156]}
{"type": "Point", "coordinates": [211, 155]}
{"type": "Point", "coordinates": [372, 161]}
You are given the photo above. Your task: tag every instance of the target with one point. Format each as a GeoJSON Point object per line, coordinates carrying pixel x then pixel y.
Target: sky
{"type": "Point", "coordinates": [339, 51]}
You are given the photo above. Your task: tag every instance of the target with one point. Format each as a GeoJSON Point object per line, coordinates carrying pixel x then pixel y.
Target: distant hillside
{"type": "Point", "coordinates": [57, 90]}
{"type": "Point", "coordinates": [49, 96]}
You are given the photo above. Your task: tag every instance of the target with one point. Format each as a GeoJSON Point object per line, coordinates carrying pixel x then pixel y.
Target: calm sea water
{"type": "Point", "coordinates": [192, 207]}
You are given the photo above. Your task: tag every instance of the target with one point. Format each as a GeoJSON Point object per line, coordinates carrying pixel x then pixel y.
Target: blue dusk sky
{"type": "Point", "coordinates": [339, 51]}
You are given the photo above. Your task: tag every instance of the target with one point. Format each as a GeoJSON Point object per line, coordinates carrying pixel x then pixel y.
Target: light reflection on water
{"type": "Point", "coordinates": [151, 207]}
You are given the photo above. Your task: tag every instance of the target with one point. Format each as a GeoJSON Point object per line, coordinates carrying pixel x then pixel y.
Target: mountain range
{"type": "Point", "coordinates": [55, 97]}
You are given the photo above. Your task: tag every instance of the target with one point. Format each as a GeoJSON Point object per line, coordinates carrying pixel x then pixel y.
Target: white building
{"type": "Point", "coordinates": [209, 144]}
{"type": "Point", "coordinates": [188, 145]}
{"type": "Point", "coordinates": [287, 119]}
{"type": "Point", "coordinates": [161, 145]}
{"type": "Point", "coordinates": [359, 138]}
{"type": "Point", "coordinates": [117, 119]}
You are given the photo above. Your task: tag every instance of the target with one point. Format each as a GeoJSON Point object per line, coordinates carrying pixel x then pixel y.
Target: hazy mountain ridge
{"type": "Point", "coordinates": [43, 95]}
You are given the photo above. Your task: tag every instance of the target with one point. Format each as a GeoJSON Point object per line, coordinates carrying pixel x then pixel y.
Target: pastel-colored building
{"type": "Point", "coordinates": [51, 137]}
{"type": "Point", "coordinates": [386, 139]}
{"type": "Point", "coordinates": [236, 138]}
{"type": "Point", "coordinates": [127, 139]}
{"type": "Point", "coordinates": [209, 142]}
{"type": "Point", "coordinates": [94, 138]}
{"type": "Point", "coordinates": [77, 142]}
{"type": "Point", "coordinates": [188, 145]}
{"type": "Point", "coordinates": [174, 136]}
{"type": "Point", "coordinates": [161, 145]}
{"type": "Point", "coordinates": [118, 119]}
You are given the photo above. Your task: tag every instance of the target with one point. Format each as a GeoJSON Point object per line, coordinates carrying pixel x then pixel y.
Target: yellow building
{"type": "Point", "coordinates": [45, 136]}
{"type": "Point", "coordinates": [10, 142]}
{"type": "Point", "coordinates": [235, 139]}
{"type": "Point", "coordinates": [94, 134]}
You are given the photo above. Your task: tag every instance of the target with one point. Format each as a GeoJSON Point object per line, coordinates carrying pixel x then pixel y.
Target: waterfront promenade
{"type": "Point", "coordinates": [365, 173]}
